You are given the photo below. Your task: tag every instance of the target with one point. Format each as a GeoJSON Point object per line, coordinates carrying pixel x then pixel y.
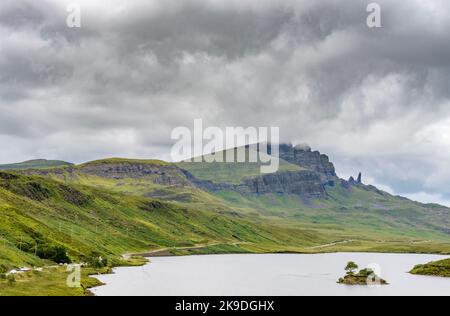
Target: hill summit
{"type": "Point", "coordinates": [35, 164]}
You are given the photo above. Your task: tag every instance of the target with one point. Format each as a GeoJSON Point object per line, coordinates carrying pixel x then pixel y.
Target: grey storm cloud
{"type": "Point", "coordinates": [376, 100]}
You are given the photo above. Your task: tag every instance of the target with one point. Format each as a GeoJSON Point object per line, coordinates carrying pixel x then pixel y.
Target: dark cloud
{"type": "Point", "coordinates": [376, 100]}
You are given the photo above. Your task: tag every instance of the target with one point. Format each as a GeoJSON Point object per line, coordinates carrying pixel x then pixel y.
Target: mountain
{"type": "Point", "coordinates": [317, 198]}
{"type": "Point", "coordinates": [35, 164]}
{"type": "Point", "coordinates": [301, 172]}
{"type": "Point", "coordinates": [306, 193]}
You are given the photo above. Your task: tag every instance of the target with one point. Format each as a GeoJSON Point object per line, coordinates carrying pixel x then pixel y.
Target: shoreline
{"type": "Point", "coordinates": [166, 252]}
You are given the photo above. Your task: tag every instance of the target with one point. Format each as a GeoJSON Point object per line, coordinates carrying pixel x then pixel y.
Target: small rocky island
{"type": "Point", "coordinates": [362, 277]}
{"type": "Point", "coordinates": [437, 268]}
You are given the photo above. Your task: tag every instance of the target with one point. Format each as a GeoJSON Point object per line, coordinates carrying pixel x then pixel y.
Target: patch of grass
{"type": "Point", "coordinates": [50, 281]}
{"type": "Point", "coordinates": [438, 268]}
{"type": "Point", "coordinates": [125, 160]}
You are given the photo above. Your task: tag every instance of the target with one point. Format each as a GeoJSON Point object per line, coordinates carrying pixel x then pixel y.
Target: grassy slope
{"type": "Point", "coordinates": [37, 211]}
{"type": "Point", "coordinates": [144, 186]}
{"type": "Point", "coordinates": [373, 220]}
{"type": "Point", "coordinates": [49, 282]}
{"type": "Point", "coordinates": [234, 173]}
{"type": "Point", "coordinates": [35, 164]}
{"type": "Point", "coordinates": [126, 160]}
{"type": "Point", "coordinates": [438, 268]}
{"type": "Point", "coordinates": [85, 220]}
{"type": "Point", "coordinates": [182, 195]}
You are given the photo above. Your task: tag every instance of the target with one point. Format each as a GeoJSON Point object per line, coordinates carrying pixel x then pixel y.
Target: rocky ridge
{"type": "Point", "coordinates": [157, 172]}
{"type": "Point", "coordinates": [317, 173]}
{"type": "Point", "coordinates": [310, 182]}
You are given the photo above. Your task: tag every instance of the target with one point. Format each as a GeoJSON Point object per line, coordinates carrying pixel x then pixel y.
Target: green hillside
{"type": "Point", "coordinates": [35, 164]}
{"type": "Point", "coordinates": [154, 162]}
{"type": "Point", "coordinates": [39, 216]}
{"type": "Point", "coordinates": [347, 208]}
{"type": "Point", "coordinates": [373, 220]}
{"type": "Point", "coordinates": [44, 222]}
{"type": "Point", "coordinates": [173, 186]}
{"type": "Point", "coordinates": [231, 172]}
{"type": "Point", "coordinates": [358, 214]}
{"type": "Point", "coordinates": [438, 268]}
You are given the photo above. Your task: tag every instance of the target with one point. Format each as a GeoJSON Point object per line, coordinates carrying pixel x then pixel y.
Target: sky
{"type": "Point", "coordinates": [376, 100]}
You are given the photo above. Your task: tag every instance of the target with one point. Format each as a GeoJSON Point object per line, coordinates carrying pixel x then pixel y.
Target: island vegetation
{"type": "Point", "coordinates": [437, 268]}
{"type": "Point", "coordinates": [362, 277]}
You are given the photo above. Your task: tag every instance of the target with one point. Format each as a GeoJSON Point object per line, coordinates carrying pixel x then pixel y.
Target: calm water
{"type": "Point", "coordinates": [277, 275]}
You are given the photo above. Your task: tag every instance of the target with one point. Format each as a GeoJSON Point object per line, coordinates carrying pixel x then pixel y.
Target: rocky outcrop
{"type": "Point", "coordinates": [307, 184]}
{"type": "Point", "coordinates": [318, 172]}
{"type": "Point", "coordinates": [304, 183]}
{"type": "Point", "coordinates": [352, 181]}
{"type": "Point", "coordinates": [304, 157]}
{"type": "Point", "coordinates": [315, 174]}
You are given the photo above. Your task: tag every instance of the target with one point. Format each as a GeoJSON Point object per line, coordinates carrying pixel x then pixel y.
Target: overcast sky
{"type": "Point", "coordinates": [375, 100]}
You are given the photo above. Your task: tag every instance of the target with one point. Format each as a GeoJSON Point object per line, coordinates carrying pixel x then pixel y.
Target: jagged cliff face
{"type": "Point", "coordinates": [311, 182]}
{"type": "Point", "coordinates": [305, 183]}
{"type": "Point", "coordinates": [308, 159]}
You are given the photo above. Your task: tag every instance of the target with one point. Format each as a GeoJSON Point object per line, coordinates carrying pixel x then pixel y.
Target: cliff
{"type": "Point", "coordinates": [312, 160]}
{"type": "Point", "coordinates": [305, 183]}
